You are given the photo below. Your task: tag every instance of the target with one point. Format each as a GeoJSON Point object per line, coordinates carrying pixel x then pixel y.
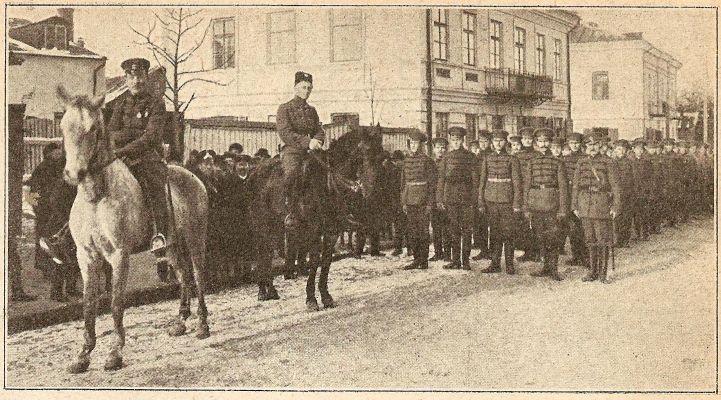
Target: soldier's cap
{"type": "Point", "coordinates": [543, 132]}
{"type": "Point", "coordinates": [621, 143]}
{"type": "Point", "coordinates": [668, 142]}
{"type": "Point", "coordinates": [262, 152]}
{"type": "Point", "coordinates": [514, 139]}
{"type": "Point", "coordinates": [397, 155]}
{"type": "Point", "coordinates": [473, 143]}
{"type": "Point", "coordinates": [243, 158]}
{"type": "Point", "coordinates": [484, 134]}
{"type": "Point", "coordinates": [301, 76]}
{"type": "Point", "coordinates": [652, 143]}
{"type": "Point", "coordinates": [206, 155]}
{"type": "Point", "coordinates": [228, 155]}
{"type": "Point", "coordinates": [558, 141]}
{"type": "Point", "coordinates": [683, 143]}
{"type": "Point", "coordinates": [500, 134]}
{"type": "Point", "coordinates": [236, 146]}
{"type": "Point", "coordinates": [526, 132]}
{"type": "Point", "coordinates": [417, 136]}
{"type": "Point", "coordinates": [575, 137]}
{"type": "Point", "coordinates": [457, 131]}
{"type": "Point", "coordinates": [440, 141]}
{"type": "Point", "coordinates": [50, 147]}
{"type": "Point", "coordinates": [639, 141]}
{"type": "Point", "coordinates": [134, 65]}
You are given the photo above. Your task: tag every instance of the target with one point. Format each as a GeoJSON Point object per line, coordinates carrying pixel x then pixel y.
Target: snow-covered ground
{"type": "Point", "coordinates": [652, 329]}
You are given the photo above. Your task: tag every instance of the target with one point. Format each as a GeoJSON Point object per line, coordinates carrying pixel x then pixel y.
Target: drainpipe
{"type": "Point", "coordinates": [429, 81]}
{"type": "Point", "coordinates": [95, 74]}
{"type": "Point", "coordinates": [568, 79]}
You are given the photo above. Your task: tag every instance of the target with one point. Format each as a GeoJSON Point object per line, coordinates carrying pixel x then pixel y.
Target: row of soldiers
{"type": "Point", "coordinates": [534, 190]}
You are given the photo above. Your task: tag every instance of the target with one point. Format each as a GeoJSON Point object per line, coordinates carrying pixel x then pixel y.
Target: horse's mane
{"type": "Point", "coordinates": [264, 170]}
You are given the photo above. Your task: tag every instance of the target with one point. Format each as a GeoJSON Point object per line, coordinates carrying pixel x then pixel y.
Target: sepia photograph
{"type": "Point", "coordinates": [360, 199]}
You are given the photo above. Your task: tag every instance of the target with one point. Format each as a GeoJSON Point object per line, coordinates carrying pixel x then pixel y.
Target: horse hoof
{"type": "Point", "coordinates": [114, 363]}
{"type": "Point", "coordinates": [272, 293]}
{"type": "Point", "coordinates": [203, 332]}
{"type": "Point", "coordinates": [327, 301]}
{"type": "Point", "coordinates": [262, 294]}
{"type": "Point", "coordinates": [177, 330]}
{"type": "Point", "coordinates": [78, 367]}
{"type": "Point", "coordinates": [312, 305]}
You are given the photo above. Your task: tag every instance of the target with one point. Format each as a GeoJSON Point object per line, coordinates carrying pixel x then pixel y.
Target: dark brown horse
{"type": "Point", "coordinates": [336, 183]}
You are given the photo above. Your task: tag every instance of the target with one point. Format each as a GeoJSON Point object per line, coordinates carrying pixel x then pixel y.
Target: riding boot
{"type": "Point", "coordinates": [603, 275]}
{"type": "Point", "coordinates": [593, 272]}
{"type": "Point", "coordinates": [545, 270]}
{"type": "Point", "coordinates": [553, 266]}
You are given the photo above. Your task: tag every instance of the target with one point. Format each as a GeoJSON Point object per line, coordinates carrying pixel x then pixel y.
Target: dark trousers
{"type": "Point", "coordinates": [624, 224]}
{"type": "Point", "coordinates": [153, 177]}
{"type": "Point", "coordinates": [400, 222]}
{"type": "Point", "coordinates": [292, 162]}
{"type": "Point", "coordinates": [441, 234]}
{"type": "Point", "coordinates": [641, 217]}
{"type": "Point", "coordinates": [460, 227]}
{"type": "Point", "coordinates": [574, 231]}
{"type": "Point", "coordinates": [503, 224]}
{"type": "Point", "coordinates": [480, 232]}
{"type": "Point", "coordinates": [418, 235]}
{"type": "Point", "coordinates": [549, 236]}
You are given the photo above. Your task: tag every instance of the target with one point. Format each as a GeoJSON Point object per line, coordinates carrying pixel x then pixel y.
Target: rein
{"type": "Point", "coordinates": [95, 164]}
{"type": "Point", "coordinates": [335, 176]}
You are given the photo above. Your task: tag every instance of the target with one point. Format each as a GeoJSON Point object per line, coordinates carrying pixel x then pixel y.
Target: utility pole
{"type": "Point", "coordinates": [429, 81]}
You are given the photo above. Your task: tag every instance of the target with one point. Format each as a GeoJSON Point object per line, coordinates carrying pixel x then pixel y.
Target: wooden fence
{"type": "Point", "coordinates": [38, 133]}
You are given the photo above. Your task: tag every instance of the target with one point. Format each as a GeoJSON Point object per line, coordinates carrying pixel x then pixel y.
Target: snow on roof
{"type": "Point", "coordinates": [73, 51]}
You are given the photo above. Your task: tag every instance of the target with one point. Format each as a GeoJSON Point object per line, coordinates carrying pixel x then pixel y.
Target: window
{"type": "Point", "coordinates": [442, 122]}
{"type": "Point", "coordinates": [347, 35]}
{"type": "Point", "coordinates": [440, 35]}
{"type": "Point", "coordinates": [223, 43]}
{"type": "Point", "coordinates": [471, 124]}
{"type": "Point", "coordinates": [471, 77]}
{"type": "Point", "coordinates": [469, 38]}
{"type": "Point", "coordinates": [600, 85]}
{"type": "Point", "coordinates": [55, 37]}
{"type": "Point", "coordinates": [557, 59]}
{"type": "Point", "coordinates": [519, 43]}
{"type": "Point", "coordinates": [540, 54]}
{"type": "Point", "coordinates": [443, 72]}
{"type": "Point", "coordinates": [497, 121]}
{"type": "Point", "coordinates": [496, 45]}
{"type": "Point", "coordinates": [281, 37]}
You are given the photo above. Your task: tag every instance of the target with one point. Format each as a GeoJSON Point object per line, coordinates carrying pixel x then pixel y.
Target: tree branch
{"type": "Point", "coordinates": [202, 80]}
{"type": "Point", "coordinates": [187, 103]}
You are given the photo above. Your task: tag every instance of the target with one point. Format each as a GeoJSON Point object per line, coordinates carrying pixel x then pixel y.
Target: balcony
{"type": "Point", "coordinates": [506, 86]}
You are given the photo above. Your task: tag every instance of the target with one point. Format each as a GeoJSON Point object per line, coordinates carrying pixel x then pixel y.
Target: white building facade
{"type": "Point", "coordinates": [622, 85]}
{"type": "Point", "coordinates": [490, 67]}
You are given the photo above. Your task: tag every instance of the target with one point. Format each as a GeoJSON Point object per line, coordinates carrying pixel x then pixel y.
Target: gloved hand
{"type": "Point", "coordinates": [315, 144]}
{"type": "Point", "coordinates": [405, 209]}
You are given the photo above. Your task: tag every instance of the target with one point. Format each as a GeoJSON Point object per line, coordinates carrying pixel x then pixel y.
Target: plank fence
{"type": "Point", "coordinates": [38, 133]}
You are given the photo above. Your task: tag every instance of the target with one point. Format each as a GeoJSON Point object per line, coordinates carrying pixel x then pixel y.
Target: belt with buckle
{"type": "Point", "coordinates": [499, 180]}
{"type": "Point", "coordinates": [544, 187]}
{"type": "Point", "coordinates": [416, 183]}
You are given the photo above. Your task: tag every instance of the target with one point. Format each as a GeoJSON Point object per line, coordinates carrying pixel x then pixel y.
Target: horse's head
{"type": "Point", "coordinates": [82, 126]}
{"type": "Point", "coordinates": [370, 152]}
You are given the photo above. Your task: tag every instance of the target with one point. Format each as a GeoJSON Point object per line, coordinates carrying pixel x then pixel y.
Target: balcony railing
{"type": "Point", "coordinates": [510, 85]}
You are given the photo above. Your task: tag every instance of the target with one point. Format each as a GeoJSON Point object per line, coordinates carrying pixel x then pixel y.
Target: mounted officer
{"type": "Point", "coordinates": [300, 130]}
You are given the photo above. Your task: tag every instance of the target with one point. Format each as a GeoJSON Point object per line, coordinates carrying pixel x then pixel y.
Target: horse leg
{"type": "Point", "coordinates": [326, 257]}
{"type": "Point", "coordinates": [264, 262]}
{"type": "Point", "coordinates": [120, 266]}
{"type": "Point", "coordinates": [90, 271]}
{"type": "Point", "coordinates": [184, 275]}
{"type": "Point", "coordinates": [310, 301]}
{"type": "Point", "coordinates": [197, 259]}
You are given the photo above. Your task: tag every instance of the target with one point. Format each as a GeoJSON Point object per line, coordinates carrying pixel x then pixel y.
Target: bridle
{"type": "Point", "coordinates": [335, 178]}
{"type": "Point", "coordinates": [95, 163]}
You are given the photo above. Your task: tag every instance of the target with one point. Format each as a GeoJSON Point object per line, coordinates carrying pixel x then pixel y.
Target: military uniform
{"type": "Point", "coordinates": [439, 219]}
{"type": "Point", "coordinates": [545, 203]}
{"type": "Point", "coordinates": [597, 193]}
{"type": "Point", "coordinates": [670, 167]}
{"type": "Point", "coordinates": [136, 130]}
{"type": "Point", "coordinates": [418, 182]}
{"type": "Point", "coordinates": [643, 180]}
{"type": "Point", "coordinates": [657, 197]}
{"type": "Point", "coordinates": [624, 167]}
{"type": "Point", "coordinates": [297, 123]}
{"type": "Point", "coordinates": [457, 193]}
{"type": "Point", "coordinates": [499, 197]}
{"type": "Point", "coordinates": [527, 236]}
{"type": "Point", "coordinates": [480, 223]}
{"type": "Point", "coordinates": [574, 230]}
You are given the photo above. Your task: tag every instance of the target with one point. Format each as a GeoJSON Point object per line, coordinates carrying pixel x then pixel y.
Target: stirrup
{"type": "Point", "coordinates": [158, 245]}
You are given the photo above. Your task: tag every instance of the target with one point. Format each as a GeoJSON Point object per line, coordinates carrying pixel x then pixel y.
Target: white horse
{"type": "Point", "coordinates": [110, 221]}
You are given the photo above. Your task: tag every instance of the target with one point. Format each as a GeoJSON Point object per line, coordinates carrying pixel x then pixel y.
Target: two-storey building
{"type": "Point", "coordinates": [401, 67]}
{"type": "Point", "coordinates": [621, 84]}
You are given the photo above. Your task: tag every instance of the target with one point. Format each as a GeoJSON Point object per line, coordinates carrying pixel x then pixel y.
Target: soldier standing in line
{"type": "Point", "coordinates": [643, 179]}
{"type": "Point", "coordinates": [480, 223]}
{"type": "Point", "coordinates": [418, 183]}
{"type": "Point", "coordinates": [457, 194]}
{"type": "Point", "coordinates": [596, 200]}
{"type": "Point", "coordinates": [527, 237]}
{"type": "Point", "coordinates": [657, 196]}
{"type": "Point", "coordinates": [686, 180]}
{"type": "Point", "coordinates": [545, 202]}
{"type": "Point", "coordinates": [574, 230]}
{"type": "Point", "coordinates": [398, 217]}
{"type": "Point", "coordinates": [514, 142]}
{"type": "Point", "coordinates": [557, 147]}
{"type": "Point", "coordinates": [670, 181]}
{"type": "Point", "coordinates": [499, 197]}
{"type": "Point", "coordinates": [624, 169]}
{"type": "Point", "coordinates": [439, 217]}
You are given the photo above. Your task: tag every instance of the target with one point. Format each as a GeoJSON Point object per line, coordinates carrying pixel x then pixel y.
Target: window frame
{"type": "Point", "coordinates": [541, 54]}
{"type": "Point", "coordinates": [223, 36]}
{"type": "Point", "coordinates": [604, 94]}
{"type": "Point", "coordinates": [440, 35]}
{"type": "Point", "coordinates": [557, 59]}
{"type": "Point", "coordinates": [361, 38]}
{"type": "Point", "coordinates": [444, 117]}
{"type": "Point", "coordinates": [519, 53]}
{"type": "Point", "coordinates": [55, 28]}
{"type": "Point", "coordinates": [492, 41]}
{"type": "Point", "coordinates": [270, 32]}
{"type": "Point", "coordinates": [469, 38]}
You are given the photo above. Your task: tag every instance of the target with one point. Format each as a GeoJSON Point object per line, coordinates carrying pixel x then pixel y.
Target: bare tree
{"type": "Point", "coordinates": [369, 88]}
{"type": "Point", "coordinates": [173, 46]}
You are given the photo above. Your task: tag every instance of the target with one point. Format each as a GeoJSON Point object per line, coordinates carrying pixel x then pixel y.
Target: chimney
{"type": "Point", "coordinates": [67, 14]}
{"type": "Point", "coordinates": [633, 35]}
{"type": "Point", "coordinates": [80, 42]}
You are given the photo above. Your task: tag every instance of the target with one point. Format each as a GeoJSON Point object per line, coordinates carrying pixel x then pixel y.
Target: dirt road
{"type": "Point", "coordinates": [652, 329]}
